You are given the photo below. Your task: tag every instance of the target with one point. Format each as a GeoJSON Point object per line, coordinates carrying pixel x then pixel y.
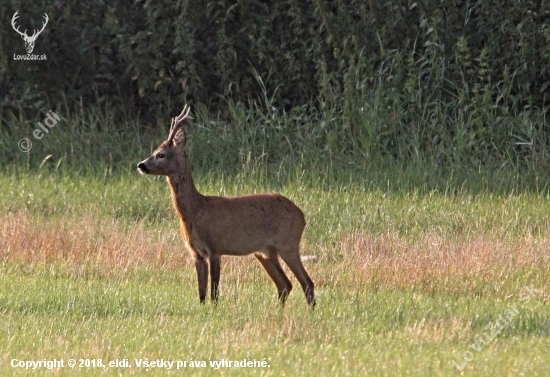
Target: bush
{"type": "Point", "coordinates": [454, 81]}
{"type": "Point", "coordinates": [151, 51]}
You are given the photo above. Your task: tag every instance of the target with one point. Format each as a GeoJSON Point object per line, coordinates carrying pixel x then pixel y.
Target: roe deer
{"type": "Point", "coordinates": [267, 225]}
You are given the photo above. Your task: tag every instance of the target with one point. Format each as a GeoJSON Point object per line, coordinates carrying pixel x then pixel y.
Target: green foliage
{"type": "Point", "coordinates": [335, 141]}
{"type": "Point", "coordinates": [150, 51]}
{"type": "Point", "coordinates": [450, 83]}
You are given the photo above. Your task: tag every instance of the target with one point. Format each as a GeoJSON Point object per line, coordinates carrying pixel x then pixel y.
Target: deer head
{"type": "Point", "coordinates": [167, 158]}
{"type": "Point", "coordinates": [29, 40]}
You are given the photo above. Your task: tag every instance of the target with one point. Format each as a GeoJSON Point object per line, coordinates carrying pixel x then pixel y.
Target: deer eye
{"type": "Point", "coordinates": [161, 155]}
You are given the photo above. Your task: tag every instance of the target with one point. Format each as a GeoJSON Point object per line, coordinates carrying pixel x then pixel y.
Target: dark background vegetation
{"type": "Point", "coordinates": [446, 83]}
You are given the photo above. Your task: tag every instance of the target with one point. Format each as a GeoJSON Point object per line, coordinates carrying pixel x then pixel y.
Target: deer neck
{"type": "Point", "coordinates": [185, 197]}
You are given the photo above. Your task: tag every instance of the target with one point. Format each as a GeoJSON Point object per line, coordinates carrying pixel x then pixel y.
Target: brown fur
{"type": "Point", "coordinates": [267, 225]}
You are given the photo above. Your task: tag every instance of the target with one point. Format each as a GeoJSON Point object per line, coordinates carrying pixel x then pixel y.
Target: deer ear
{"type": "Point", "coordinates": [180, 137]}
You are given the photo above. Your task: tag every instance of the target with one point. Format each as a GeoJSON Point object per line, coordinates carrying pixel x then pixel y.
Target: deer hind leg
{"type": "Point", "coordinates": [292, 259]}
{"type": "Point", "coordinates": [202, 276]}
{"type": "Point", "coordinates": [271, 264]}
{"type": "Point", "coordinates": [214, 262]}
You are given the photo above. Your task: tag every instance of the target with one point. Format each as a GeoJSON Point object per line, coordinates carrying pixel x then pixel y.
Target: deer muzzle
{"type": "Point", "coordinates": [142, 168]}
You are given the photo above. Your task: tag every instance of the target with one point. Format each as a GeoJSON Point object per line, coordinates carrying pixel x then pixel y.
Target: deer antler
{"type": "Point", "coordinates": [24, 34]}
{"type": "Point", "coordinates": [36, 32]}
{"type": "Point", "coordinates": [16, 28]}
{"type": "Point", "coordinates": [177, 120]}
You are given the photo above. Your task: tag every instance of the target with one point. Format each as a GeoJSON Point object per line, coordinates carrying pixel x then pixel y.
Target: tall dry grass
{"type": "Point", "coordinates": [100, 246]}
{"type": "Point", "coordinates": [482, 265]}
{"type": "Point", "coordinates": [79, 242]}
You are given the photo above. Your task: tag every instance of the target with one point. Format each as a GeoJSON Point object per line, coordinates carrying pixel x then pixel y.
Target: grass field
{"type": "Point", "coordinates": [421, 266]}
{"type": "Point", "coordinates": [450, 278]}
{"type": "Point", "coordinates": [421, 160]}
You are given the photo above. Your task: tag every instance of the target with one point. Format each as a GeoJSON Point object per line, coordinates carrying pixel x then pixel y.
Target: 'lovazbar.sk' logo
{"type": "Point", "coordinates": [29, 40]}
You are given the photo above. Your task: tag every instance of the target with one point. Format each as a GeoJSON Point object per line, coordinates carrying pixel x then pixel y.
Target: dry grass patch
{"type": "Point", "coordinates": [78, 242]}
{"type": "Point", "coordinates": [106, 246]}
{"type": "Point", "coordinates": [481, 265]}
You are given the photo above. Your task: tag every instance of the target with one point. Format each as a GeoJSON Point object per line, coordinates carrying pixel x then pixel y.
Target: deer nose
{"type": "Point", "coordinates": [142, 168]}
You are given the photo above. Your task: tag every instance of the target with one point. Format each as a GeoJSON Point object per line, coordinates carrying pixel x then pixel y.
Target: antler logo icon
{"type": "Point", "coordinates": [29, 40]}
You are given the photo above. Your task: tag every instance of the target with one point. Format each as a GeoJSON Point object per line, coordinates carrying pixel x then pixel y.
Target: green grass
{"type": "Point", "coordinates": [104, 305]}
{"type": "Point", "coordinates": [352, 332]}
{"type": "Point", "coordinates": [376, 203]}
{"type": "Point", "coordinates": [415, 254]}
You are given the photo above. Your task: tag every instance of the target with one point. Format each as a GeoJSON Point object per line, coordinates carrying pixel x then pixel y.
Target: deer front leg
{"type": "Point", "coordinates": [202, 276]}
{"type": "Point", "coordinates": [214, 276]}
